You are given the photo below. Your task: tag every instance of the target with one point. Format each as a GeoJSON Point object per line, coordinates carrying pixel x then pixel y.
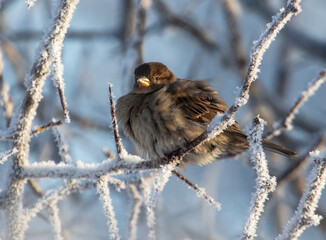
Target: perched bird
{"type": "Point", "coordinates": [162, 113]}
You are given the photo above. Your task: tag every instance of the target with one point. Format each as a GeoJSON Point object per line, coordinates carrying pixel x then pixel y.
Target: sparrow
{"type": "Point", "coordinates": [162, 113]}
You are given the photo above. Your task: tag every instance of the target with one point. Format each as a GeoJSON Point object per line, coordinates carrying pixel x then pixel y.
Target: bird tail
{"type": "Point", "coordinates": [278, 149]}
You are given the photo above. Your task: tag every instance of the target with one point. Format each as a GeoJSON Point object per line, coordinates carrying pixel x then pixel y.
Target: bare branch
{"type": "Point", "coordinates": [45, 127]}
{"type": "Point", "coordinates": [35, 187]}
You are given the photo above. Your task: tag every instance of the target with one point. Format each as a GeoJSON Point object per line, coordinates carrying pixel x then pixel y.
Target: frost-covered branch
{"type": "Point", "coordinates": [258, 50]}
{"type": "Point", "coordinates": [55, 196]}
{"type": "Point", "coordinates": [5, 100]}
{"type": "Point", "coordinates": [115, 126]}
{"type": "Point", "coordinates": [61, 145]}
{"type": "Point", "coordinates": [136, 199]}
{"type": "Point", "coordinates": [5, 155]}
{"type": "Point", "coordinates": [26, 113]}
{"type": "Point", "coordinates": [305, 215]}
{"type": "Point", "coordinates": [264, 182]}
{"type": "Point", "coordinates": [104, 192]}
{"type": "Point", "coordinates": [55, 220]}
{"type": "Point", "coordinates": [200, 192]}
{"type": "Point", "coordinates": [286, 123]}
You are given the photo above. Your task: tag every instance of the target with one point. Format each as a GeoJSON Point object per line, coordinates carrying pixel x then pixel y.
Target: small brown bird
{"type": "Point", "coordinates": [162, 113]}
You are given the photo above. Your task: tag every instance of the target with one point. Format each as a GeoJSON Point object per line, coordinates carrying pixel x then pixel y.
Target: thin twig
{"type": "Point", "coordinates": [115, 126]}
{"type": "Point", "coordinates": [45, 127]}
{"type": "Point", "coordinates": [61, 145]}
{"type": "Point", "coordinates": [5, 155]}
{"type": "Point", "coordinates": [286, 123]}
{"type": "Point", "coordinates": [292, 34]}
{"type": "Point", "coordinates": [136, 204]}
{"type": "Point", "coordinates": [200, 192]}
{"type": "Point", "coordinates": [57, 195]}
{"type": "Point", "coordinates": [103, 190]}
{"type": "Point", "coordinates": [64, 104]}
{"type": "Point", "coordinates": [5, 100]}
{"type": "Point", "coordinates": [259, 48]}
{"type": "Point", "coordinates": [264, 182]}
{"type": "Point", "coordinates": [305, 215]}
{"type": "Point", "coordinates": [35, 187]}
{"type": "Point", "coordinates": [26, 113]}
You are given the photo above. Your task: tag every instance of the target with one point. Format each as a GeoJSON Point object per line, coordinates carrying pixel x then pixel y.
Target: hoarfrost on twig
{"type": "Point", "coordinates": [136, 200]}
{"type": "Point", "coordinates": [118, 143]}
{"type": "Point", "coordinates": [22, 122]}
{"type": "Point", "coordinates": [55, 220]}
{"type": "Point", "coordinates": [305, 215]}
{"type": "Point", "coordinates": [286, 123]}
{"type": "Point", "coordinates": [61, 144]}
{"type": "Point", "coordinates": [104, 192]}
{"type": "Point", "coordinates": [200, 191]}
{"type": "Point", "coordinates": [5, 155]}
{"type": "Point", "coordinates": [264, 182]}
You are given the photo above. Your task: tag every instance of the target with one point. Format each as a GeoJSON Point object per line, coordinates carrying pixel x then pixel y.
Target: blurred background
{"type": "Point", "coordinates": [197, 39]}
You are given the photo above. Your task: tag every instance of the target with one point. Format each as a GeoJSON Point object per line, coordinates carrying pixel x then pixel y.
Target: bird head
{"type": "Point", "coordinates": [151, 76]}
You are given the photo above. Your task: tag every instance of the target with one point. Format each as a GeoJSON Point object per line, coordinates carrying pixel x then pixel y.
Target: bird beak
{"type": "Point", "coordinates": [143, 82]}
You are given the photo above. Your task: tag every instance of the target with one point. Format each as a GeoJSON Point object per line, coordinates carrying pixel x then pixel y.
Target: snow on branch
{"type": "Point", "coordinates": [136, 199]}
{"type": "Point", "coordinates": [286, 123]}
{"type": "Point", "coordinates": [264, 182]}
{"type": "Point", "coordinates": [5, 99]}
{"type": "Point", "coordinates": [104, 192]}
{"type": "Point", "coordinates": [55, 220]}
{"type": "Point", "coordinates": [61, 145]}
{"type": "Point", "coordinates": [5, 155]}
{"type": "Point", "coordinates": [258, 50]}
{"type": "Point", "coordinates": [22, 122]}
{"type": "Point", "coordinates": [305, 215]}
{"type": "Point", "coordinates": [57, 76]}
{"type": "Point", "coordinates": [30, 3]}
{"type": "Point", "coordinates": [55, 50]}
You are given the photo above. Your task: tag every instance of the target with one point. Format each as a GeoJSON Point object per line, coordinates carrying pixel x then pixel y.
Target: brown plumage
{"type": "Point", "coordinates": [162, 113]}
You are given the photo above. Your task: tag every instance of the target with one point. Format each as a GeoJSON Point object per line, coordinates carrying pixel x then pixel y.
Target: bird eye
{"type": "Point", "coordinates": [157, 78]}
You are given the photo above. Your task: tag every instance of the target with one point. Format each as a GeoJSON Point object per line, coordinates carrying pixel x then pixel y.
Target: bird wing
{"type": "Point", "coordinates": [197, 99]}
